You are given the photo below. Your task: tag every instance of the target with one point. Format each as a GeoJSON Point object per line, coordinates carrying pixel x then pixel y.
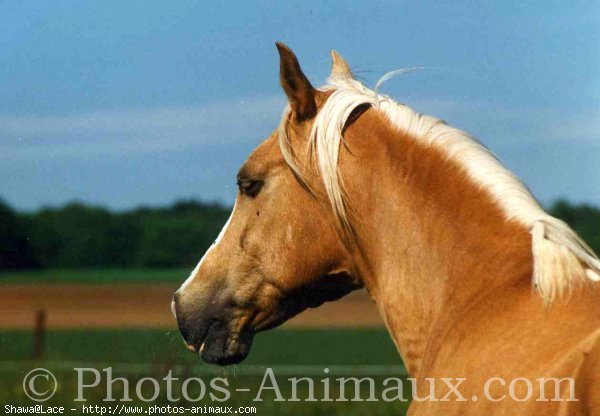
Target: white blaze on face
{"type": "Point", "coordinates": [197, 268]}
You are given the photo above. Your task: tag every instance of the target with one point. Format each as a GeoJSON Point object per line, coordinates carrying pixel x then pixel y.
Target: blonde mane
{"type": "Point", "coordinates": [561, 257]}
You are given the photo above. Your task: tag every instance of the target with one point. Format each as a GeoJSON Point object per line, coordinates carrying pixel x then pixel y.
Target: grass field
{"type": "Point", "coordinates": [141, 297]}
{"type": "Point", "coordinates": [277, 347]}
{"type": "Point", "coordinates": [134, 298]}
{"type": "Point", "coordinates": [96, 276]}
{"type": "Point", "coordinates": [142, 353]}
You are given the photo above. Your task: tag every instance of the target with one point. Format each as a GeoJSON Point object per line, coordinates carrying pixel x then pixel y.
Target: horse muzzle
{"type": "Point", "coordinates": [212, 331]}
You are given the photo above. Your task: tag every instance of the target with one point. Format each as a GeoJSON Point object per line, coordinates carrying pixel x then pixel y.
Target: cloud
{"type": "Point", "coordinates": [153, 130]}
{"type": "Point", "coordinates": [138, 130]}
{"type": "Point", "coordinates": [497, 123]}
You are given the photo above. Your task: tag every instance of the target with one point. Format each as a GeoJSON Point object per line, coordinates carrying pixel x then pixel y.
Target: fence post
{"type": "Point", "coordinates": [39, 334]}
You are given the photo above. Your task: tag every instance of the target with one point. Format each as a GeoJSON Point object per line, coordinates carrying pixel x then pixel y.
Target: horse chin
{"type": "Point", "coordinates": [223, 347]}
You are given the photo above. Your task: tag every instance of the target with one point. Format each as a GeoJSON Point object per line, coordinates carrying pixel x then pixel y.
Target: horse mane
{"type": "Point", "coordinates": [560, 256]}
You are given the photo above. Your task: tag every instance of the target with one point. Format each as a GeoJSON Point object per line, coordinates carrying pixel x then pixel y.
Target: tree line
{"type": "Point", "coordinates": [79, 235]}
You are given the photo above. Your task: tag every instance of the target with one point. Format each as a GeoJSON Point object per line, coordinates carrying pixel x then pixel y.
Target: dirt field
{"type": "Point", "coordinates": [146, 306]}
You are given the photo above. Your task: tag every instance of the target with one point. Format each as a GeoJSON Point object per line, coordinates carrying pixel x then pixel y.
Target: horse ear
{"type": "Point", "coordinates": [340, 68]}
{"type": "Point", "coordinates": [300, 93]}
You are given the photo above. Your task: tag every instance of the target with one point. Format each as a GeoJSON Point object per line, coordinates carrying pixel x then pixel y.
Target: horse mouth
{"type": "Point", "coordinates": [221, 346]}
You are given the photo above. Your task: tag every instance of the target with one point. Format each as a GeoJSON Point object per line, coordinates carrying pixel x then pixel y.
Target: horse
{"type": "Point", "coordinates": [472, 277]}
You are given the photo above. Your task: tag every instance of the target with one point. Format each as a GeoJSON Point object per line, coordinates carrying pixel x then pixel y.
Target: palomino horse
{"type": "Point", "coordinates": [473, 279]}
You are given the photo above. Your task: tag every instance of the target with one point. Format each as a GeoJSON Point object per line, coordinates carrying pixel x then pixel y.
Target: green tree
{"type": "Point", "coordinates": [82, 236]}
{"type": "Point", "coordinates": [179, 235]}
{"type": "Point", "coordinates": [78, 235]}
{"type": "Point", "coordinates": [585, 219]}
{"type": "Point", "coordinates": [15, 249]}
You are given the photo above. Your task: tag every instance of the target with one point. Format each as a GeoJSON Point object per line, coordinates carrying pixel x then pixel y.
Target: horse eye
{"type": "Point", "coordinates": [249, 187]}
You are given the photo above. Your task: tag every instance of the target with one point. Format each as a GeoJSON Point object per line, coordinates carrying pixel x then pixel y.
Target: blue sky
{"type": "Point", "coordinates": [143, 102]}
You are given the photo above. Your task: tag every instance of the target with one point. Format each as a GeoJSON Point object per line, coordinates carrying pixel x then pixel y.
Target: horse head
{"type": "Point", "coordinates": [281, 251]}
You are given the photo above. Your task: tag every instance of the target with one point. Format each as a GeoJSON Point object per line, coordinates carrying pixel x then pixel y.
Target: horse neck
{"type": "Point", "coordinates": [435, 242]}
